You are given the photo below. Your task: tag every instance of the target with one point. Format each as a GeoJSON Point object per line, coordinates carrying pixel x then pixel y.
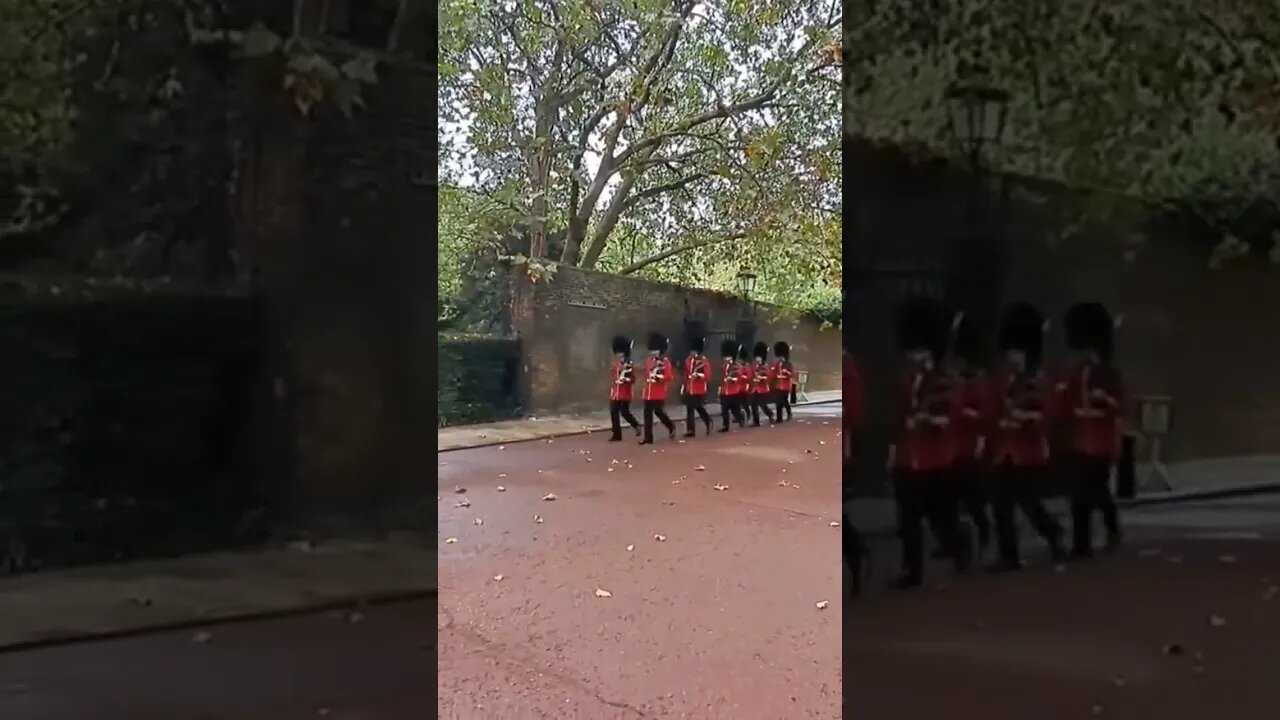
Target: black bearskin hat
{"type": "Point", "coordinates": [922, 325]}
{"type": "Point", "coordinates": [743, 354]}
{"type": "Point", "coordinates": [621, 345]}
{"type": "Point", "coordinates": [698, 345]}
{"type": "Point", "coordinates": [1022, 328]}
{"type": "Point", "coordinates": [761, 350]}
{"type": "Point", "coordinates": [782, 350]}
{"type": "Point", "coordinates": [1089, 327]}
{"type": "Point", "coordinates": [657, 342]}
{"type": "Point", "coordinates": [966, 338]}
{"type": "Point", "coordinates": [729, 349]}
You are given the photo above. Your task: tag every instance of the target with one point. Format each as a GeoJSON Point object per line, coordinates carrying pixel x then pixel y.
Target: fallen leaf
{"type": "Point", "coordinates": [451, 541]}
{"type": "Point", "coordinates": [822, 604]}
{"type": "Point", "coordinates": [1217, 621]}
{"type": "Point", "coordinates": [502, 488]}
{"type": "Point", "coordinates": [603, 593]}
{"type": "Point", "coordinates": [479, 521]}
{"type": "Point", "coordinates": [675, 482]}
{"type": "Point", "coordinates": [630, 548]}
{"type": "Point", "coordinates": [463, 503]}
{"type": "Point", "coordinates": [718, 486]}
{"type": "Point", "coordinates": [549, 497]}
{"type": "Point", "coordinates": [497, 578]}
{"type": "Point", "coordinates": [609, 469]}
{"type": "Point", "coordinates": [459, 489]}
{"type": "Point", "coordinates": [201, 637]}
{"type": "Point", "coordinates": [502, 476]}
{"type": "Point", "coordinates": [537, 519]}
{"type": "Point", "coordinates": [700, 468]}
{"type": "Point", "coordinates": [834, 523]}
{"type": "Point", "coordinates": [660, 538]}
{"type": "Point", "coordinates": [822, 442]}
{"type": "Point", "coordinates": [502, 447]}
{"type": "Point", "coordinates": [782, 483]}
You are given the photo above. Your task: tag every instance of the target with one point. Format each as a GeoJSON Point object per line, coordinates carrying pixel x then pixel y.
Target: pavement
{"type": "Point", "coordinates": [592, 579]}
{"type": "Point", "coordinates": [553, 426]}
{"type": "Point", "coordinates": [1182, 624]}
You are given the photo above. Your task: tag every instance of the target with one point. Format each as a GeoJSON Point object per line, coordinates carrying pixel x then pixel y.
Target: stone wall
{"type": "Point", "coordinates": [127, 424]}
{"type": "Point", "coordinates": [1210, 339]}
{"type": "Point", "coordinates": [335, 216]}
{"type": "Point", "coordinates": [565, 326]}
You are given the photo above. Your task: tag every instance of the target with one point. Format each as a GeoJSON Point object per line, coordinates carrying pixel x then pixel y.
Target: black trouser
{"type": "Point", "coordinates": [1021, 488]}
{"type": "Point", "coordinates": [658, 408]}
{"type": "Point", "coordinates": [731, 407]}
{"type": "Point", "coordinates": [759, 404]}
{"type": "Point", "coordinates": [695, 404]}
{"type": "Point", "coordinates": [926, 496]}
{"type": "Point", "coordinates": [852, 547]}
{"type": "Point", "coordinates": [1090, 483]}
{"type": "Point", "coordinates": [782, 401]}
{"type": "Point", "coordinates": [972, 496]}
{"type": "Point", "coordinates": [620, 410]}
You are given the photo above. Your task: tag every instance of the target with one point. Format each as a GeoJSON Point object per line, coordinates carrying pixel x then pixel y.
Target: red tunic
{"type": "Point", "coordinates": [696, 370]}
{"type": "Point", "coordinates": [760, 378]}
{"type": "Point", "coordinates": [620, 390]}
{"type": "Point", "coordinates": [655, 384]}
{"type": "Point", "coordinates": [782, 373]}
{"type": "Point", "coordinates": [852, 399]}
{"type": "Point", "coordinates": [729, 381]}
{"type": "Point", "coordinates": [922, 445]}
{"type": "Point", "coordinates": [975, 416]}
{"type": "Point", "coordinates": [1092, 402]}
{"type": "Point", "coordinates": [746, 374]}
{"type": "Point", "coordinates": [1025, 442]}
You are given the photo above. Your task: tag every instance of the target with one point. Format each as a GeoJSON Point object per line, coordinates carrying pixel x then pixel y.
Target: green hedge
{"type": "Point", "coordinates": [476, 379]}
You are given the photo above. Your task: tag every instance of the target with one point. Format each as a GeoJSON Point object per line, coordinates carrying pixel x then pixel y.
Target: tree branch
{"type": "Point", "coordinates": [663, 188]}
{"type": "Point", "coordinates": [671, 252]}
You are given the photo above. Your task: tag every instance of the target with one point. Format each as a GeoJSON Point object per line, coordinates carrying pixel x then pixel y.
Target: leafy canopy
{"type": "Point", "coordinates": [648, 130]}
{"type": "Point", "coordinates": [1172, 101]}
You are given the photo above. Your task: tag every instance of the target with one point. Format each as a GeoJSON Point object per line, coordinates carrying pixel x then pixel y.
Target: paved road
{"type": "Point", "coordinates": [374, 666]}
{"type": "Point", "coordinates": [718, 619]}
{"type": "Point", "coordinates": [1178, 626]}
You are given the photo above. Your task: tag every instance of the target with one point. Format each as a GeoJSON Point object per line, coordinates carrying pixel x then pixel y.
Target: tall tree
{"type": "Point", "coordinates": [1172, 101]}
{"type": "Point", "coordinates": [696, 123]}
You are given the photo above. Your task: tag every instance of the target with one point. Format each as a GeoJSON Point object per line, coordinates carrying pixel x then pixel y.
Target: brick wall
{"type": "Point", "coordinates": [565, 327]}
{"type": "Point", "coordinates": [1210, 339]}
{"type": "Point", "coordinates": [335, 216]}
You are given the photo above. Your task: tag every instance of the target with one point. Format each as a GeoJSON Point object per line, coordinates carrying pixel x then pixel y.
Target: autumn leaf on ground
{"type": "Point", "coordinates": [834, 524]}
{"type": "Point", "coordinates": [497, 578]}
{"type": "Point", "coordinates": [603, 593]}
{"type": "Point", "coordinates": [502, 488]}
{"type": "Point", "coordinates": [463, 503]}
{"type": "Point", "coordinates": [537, 519]}
{"type": "Point", "coordinates": [548, 497]}
{"type": "Point", "coordinates": [660, 538]}
{"type": "Point", "coordinates": [459, 489]}
{"type": "Point", "coordinates": [718, 486]}
{"type": "Point", "coordinates": [479, 521]}
{"type": "Point", "coordinates": [822, 604]}
{"type": "Point", "coordinates": [700, 468]}
{"type": "Point", "coordinates": [451, 541]}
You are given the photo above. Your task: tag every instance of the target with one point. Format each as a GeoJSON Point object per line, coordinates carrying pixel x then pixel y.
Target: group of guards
{"type": "Point", "coordinates": [750, 385]}
{"type": "Point", "coordinates": [988, 442]}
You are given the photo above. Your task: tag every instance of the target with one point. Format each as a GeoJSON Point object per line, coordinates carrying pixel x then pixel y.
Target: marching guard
{"type": "Point", "coordinates": [760, 385]}
{"type": "Point", "coordinates": [1020, 437]}
{"type": "Point", "coordinates": [1093, 398]}
{"type": "Point", "coordinates": [697, 369]}
{"type": "Point", "coordinates": [657, 374]}
{"type": "Point", "coordinates": [972, 425]}
{"type": "Point", "coordinates": [622, 377]}
{"type": "Point", "coordinates": [923, 451]}
{"type": "Point", "coordinates": [730, 385]}
{"type": "Point", "coordinates": [783, 371]}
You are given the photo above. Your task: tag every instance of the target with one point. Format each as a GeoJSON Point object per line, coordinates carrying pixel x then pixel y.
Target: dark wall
{"type": "Point", "coordinates": [125, 430]}
{"type": "Point", "coordinates": [1210, 339]}
{"type": "Point", "coordinates": [477, 379]}
{"type": "Point", "coordinates": [565, 326]}
{"type": "Point", "coordinates": [336, 216]}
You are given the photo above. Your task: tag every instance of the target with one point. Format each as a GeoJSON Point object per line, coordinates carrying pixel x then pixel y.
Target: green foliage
{"type": "Point", "coordinates": [676, 126]}
{"type": "Point", "coordinates": [1172, 101]}
{"type": "Point", "coordinates": [476, 379]}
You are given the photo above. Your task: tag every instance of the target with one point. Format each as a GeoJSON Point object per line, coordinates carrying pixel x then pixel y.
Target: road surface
{"type": "Point", "coordinates": [1184, 624]}
{"type": "Point", "coordinates": [713, 593]}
